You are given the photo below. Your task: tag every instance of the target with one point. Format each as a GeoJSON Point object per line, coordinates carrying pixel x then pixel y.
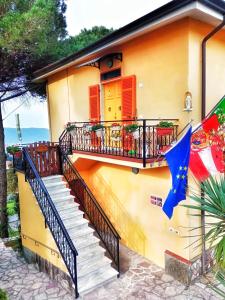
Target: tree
{"type": "Point", "coordinates": [29, 32]}
{"type": "Point", "coordinates": [83, 39]}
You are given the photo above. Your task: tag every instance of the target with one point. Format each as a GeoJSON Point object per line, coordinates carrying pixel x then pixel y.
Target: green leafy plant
{"type": "Point", "coordinates": [97, 127]}
{"type": "Point", "coordinates": [13, 149]}
{"type": "Point", "coordinates": [220, 277]}
{"type": "Point", "coordinates": [131, 152]}
{"type": "Point", "coordinates": [165, 124]}
{"type": "Point", "coordinates": [70, 128]}
{"type": "Point", "coordinates": [3, 295]}
{"type": "Point", "coordinates": [131, 128]}
{"type": "Point", "coordinates": [12, 208]}
{"type": "Point", "coordinates": [213, 204]}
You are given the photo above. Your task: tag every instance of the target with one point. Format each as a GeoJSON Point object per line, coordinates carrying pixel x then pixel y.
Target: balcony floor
{"type": "Point", "coordinates": [132, 162]}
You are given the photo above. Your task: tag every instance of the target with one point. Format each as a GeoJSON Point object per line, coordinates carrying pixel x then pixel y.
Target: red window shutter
{"type": "Point", "coordinates": [128, 86]}
{"type": "Point", "coordinates": [94, 103]}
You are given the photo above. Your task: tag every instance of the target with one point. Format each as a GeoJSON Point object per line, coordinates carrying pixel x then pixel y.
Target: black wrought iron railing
{"type": "Point", "coordinates": [52, 218]}
{"type": "Point", "coordinates": [139, 139]}
{"type": "Point", "coordinates": [92, 209]}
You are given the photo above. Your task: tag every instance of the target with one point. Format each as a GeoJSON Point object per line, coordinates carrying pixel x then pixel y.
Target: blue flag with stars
{"type": "Point", "coordinates": [178, 160]}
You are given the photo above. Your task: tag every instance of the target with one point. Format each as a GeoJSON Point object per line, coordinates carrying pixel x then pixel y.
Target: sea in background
{"type": "Point", "coordinates": [29, 135]}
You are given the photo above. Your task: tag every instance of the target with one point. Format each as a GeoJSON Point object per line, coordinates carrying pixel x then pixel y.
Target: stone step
{"type": "Point", "coordinates": [75, 224]}
{"type": "Point", "coordinates": [52, 179]}
{"type": "Point", "coordinates": [86, 255]}
{"type": "Point", "coordinates": [93, 269]}
{"type": "Point", "coordinates": [85, 233]}
{"type": "Point", "coordinates": [58, 199]}
{"type": "Point", "coordinates": [60, 193]}
{"type": "Point", "coordinates": [65, 202]}
{"type": "Point", "coordinates": [87, 285]}
{"type": "Point", "coordinates": [72, 215]}
{"type": "Point", "coordinates": [55, 186]}
{"type": "Point", "coordinates": [81, 245]}
{"type": "Point", "coordinates": [63, 206]}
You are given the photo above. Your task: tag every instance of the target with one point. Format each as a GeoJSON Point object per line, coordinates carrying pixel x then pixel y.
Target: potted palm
{"type": "Point", "coordinates": [212, 205]}
{"type": "Point", "coordinates": [133, 129]}
{"type": "Point", "coordinates": [164, 128]}
{"type": "Point", "coordinates": [98, 129]}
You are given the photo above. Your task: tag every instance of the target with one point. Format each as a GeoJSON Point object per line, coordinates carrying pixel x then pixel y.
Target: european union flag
{"type": "Point", "coordinates": [178, 160]}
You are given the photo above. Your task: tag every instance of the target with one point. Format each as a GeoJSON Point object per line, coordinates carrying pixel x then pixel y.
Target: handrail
{"type": "Point", "coordinates": [93, 198]}
{"type": "Point", "coordinates": [91, 207]}
{"type": "Point", "coordinates": [52, 218]}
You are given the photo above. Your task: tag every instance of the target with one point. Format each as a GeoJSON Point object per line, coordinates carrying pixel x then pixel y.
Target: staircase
{"type": "Point", "coordinates": [93, 267]}
{"type": "Point", "coordinates": [54, 180]}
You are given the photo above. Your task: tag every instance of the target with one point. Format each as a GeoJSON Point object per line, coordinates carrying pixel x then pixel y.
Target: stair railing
{"type": "Point", "coordinates": [97, 217]}
{"type": "Point", "coordinates": [52, 218]}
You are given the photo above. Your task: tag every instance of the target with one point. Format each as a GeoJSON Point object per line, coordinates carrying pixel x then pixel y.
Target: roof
{"type": "Point", "coordinates": [175, 8]}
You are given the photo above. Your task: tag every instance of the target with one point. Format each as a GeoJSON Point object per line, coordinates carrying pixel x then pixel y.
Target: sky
{"type": "Point", "coordinates": [82, 14]}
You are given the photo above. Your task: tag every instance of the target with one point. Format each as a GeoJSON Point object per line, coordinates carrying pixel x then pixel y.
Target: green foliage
{"type": "Point", "coordinates": [220, 276]}
{"type": "Point", "coordinates": [3, 295]}
{"type": "Point", "coordinates": [12, 208]}
{"type": "Point", "coordinates": [97, 127]}
{"type": "Point", "coordinates": [30, 31]}
{"type": "Point", "coordinates": [131, 128]}
{"type": "Point", "coordinates": [131, 152]}
{"type": "Point", "coordinates": [83, 39]}
{"type": "Point", "coordinates": [165, 124]}
{"type": "Point", "coordinates": [13, 233]}
{"type": "Point", "coordinates": [70, 128]}
{"type": "Point", "coordinates": [213, 204]}
{"type": "Point", "coordinates": [13, 149]}
{"type": "Point", "coordinates": [12, 182]}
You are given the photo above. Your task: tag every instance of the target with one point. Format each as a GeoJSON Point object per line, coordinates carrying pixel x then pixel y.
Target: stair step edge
{"type": "Point", "coordinates": [99, 281]}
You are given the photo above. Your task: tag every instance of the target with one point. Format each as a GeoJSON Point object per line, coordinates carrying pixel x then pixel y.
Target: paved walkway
{"type": "Point", "coordinates": [23, 281]}
{"type": "Point", "coordinates": [140, 279]}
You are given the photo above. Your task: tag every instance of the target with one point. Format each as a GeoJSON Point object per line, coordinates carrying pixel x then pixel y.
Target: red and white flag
{"type": "Point", "coordinates": [208, 145]}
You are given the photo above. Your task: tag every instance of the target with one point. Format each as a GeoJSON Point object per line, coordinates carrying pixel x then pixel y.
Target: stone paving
{"type": "Point", "coordinates": [140, 279]}
{"type": "Point", "coordinates": [23, 281]}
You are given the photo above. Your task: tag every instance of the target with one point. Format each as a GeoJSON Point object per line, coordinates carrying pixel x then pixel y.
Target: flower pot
{"type": "Point", "coordinates": [99, 132]}
{"type": "Point", "coordinates": [18, 154]}
{"type": "Point", "coordinates": [116, 139]}
{"type": "Point", "coordinates": [136, 134]}
{"type": "Point", "coordinates": [161, 131]}
{"type": "Point", "coordinates": [116, 128]}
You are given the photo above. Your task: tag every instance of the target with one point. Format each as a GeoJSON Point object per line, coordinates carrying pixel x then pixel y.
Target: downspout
{"type": "Point", "coordinates": [203, 115]}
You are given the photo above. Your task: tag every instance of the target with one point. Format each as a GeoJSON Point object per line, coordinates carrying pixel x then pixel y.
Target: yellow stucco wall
{"type": "Point", "coordinates": [33, 226]}
{"type": "Point", "coordinates": [158, 59]}
{"type": "Point", "coordinates": [125, 197]}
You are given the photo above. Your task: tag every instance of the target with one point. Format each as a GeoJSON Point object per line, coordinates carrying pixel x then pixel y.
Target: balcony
{"type": "Point", "coordinates": [136, 143]}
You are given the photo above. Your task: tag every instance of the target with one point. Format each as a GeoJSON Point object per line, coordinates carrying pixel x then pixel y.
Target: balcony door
{"type": "Point", "coordinates": [112, 101]}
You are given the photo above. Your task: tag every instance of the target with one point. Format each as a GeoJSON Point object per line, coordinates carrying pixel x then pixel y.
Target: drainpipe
{"type": "Point", "coordinates": [203, 115]}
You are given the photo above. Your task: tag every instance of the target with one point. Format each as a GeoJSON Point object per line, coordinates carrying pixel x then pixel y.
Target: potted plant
{"type": "Point", "coordinates": [115, 132]}
{"type": "Point", "coordinates": [98, 129]}
{"type": "Point", "coordinates": [70, 128]}
{"type": "Point", "coordinates": [132, 152]}
{"type": "Point", "coordinates": [14, 150]}
{"type": "Point", "coordinates": [132, 128]}
{"type": "Point", "coordinates": [164, 128]}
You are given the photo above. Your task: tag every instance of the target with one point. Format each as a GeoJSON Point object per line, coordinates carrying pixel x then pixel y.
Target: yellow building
{"type": "Point", "coordinates": [146, 72]}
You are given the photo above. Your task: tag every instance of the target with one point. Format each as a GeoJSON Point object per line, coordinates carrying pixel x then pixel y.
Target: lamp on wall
{"type": "Point", "coordinates": [188, 101]}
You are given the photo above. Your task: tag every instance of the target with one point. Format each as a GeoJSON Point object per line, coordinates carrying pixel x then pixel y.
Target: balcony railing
{"type": "Point", "coordinates": [137, 140]}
